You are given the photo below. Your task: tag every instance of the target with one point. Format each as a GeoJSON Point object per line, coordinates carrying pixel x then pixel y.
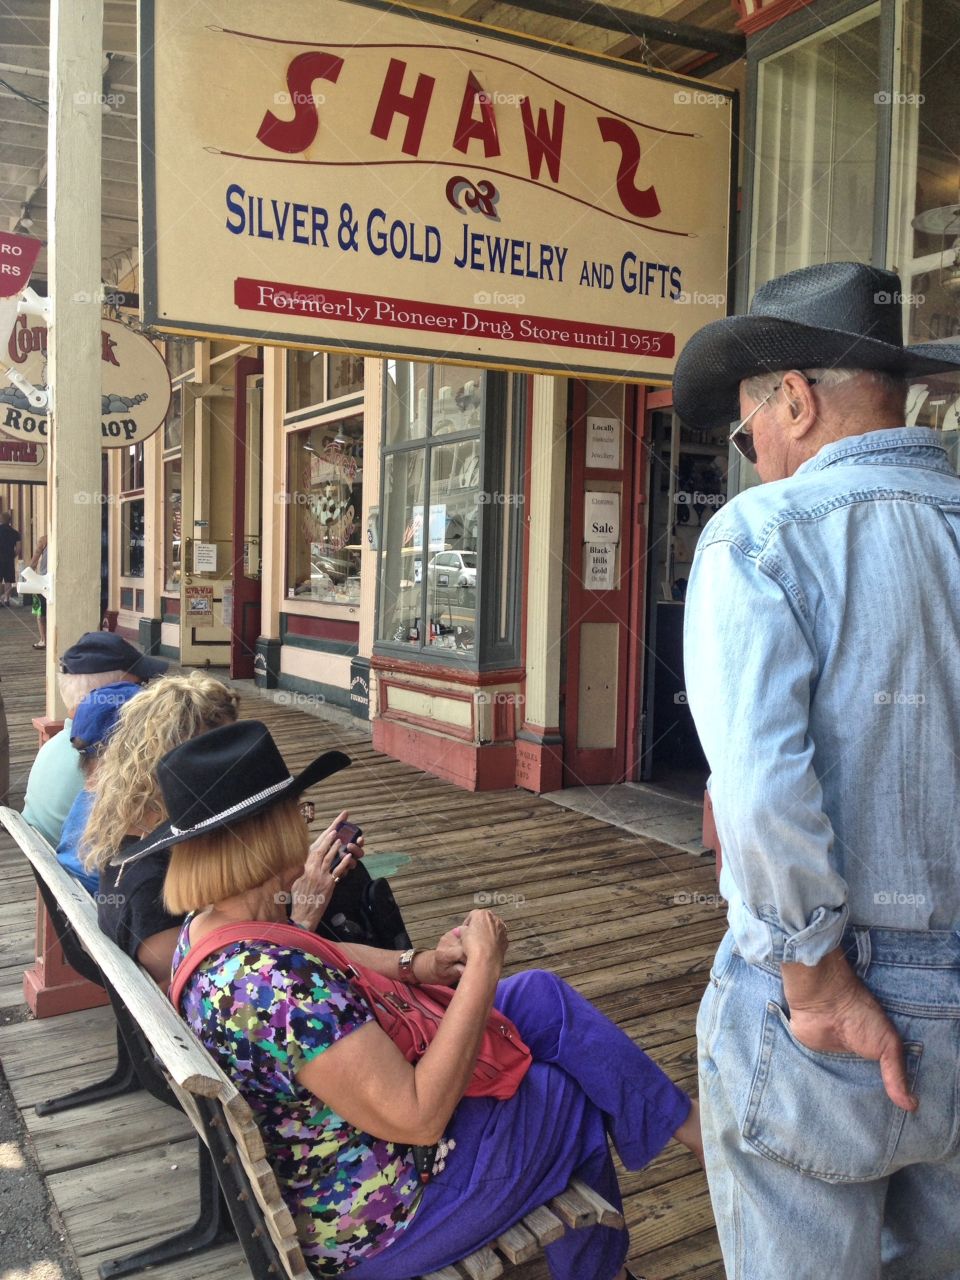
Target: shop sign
{"type": "Point", "coordinates": [135, 384]}
{"type": "Point", "coordinates": [603, 443]}
{"type": "Point", "coordinates": [22, 461]}
{"type": "Point", "coordinates": [391, 182]}
{"type": "Point", "coordinates": [601, 517]}
{"type": "Point", "coordinates": [199, 605]}
{"type": "Point", "coordinates": [18, 254]}
{"type": "Point", "coordinates": [599, 563]}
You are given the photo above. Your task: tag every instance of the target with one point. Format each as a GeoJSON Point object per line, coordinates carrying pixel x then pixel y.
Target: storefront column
{"type": "Point", "coordinates": [267, 660]}
{"type": "Point", "coordinates": [539, 750]}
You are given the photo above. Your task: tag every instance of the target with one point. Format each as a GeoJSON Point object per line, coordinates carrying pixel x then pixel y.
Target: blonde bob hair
{"type": "Point", "coordinates": [168, 712]}
{"type": "Point", "coordinates": [235, 859]}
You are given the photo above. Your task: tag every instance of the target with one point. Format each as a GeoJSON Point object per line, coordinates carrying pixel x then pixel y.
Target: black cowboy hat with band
{"type": "Point", "coordinates": [222, 777]}
{"type": "Point", "coordinates": [839, 315]}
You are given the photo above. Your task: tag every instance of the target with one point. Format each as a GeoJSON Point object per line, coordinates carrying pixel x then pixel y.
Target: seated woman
{"type": "Point", "coordinates": [127, 802]}
{"type": "Point", "coordinates": [338, 1104]}
{"type": "Point", "coordinates": [94, 721]}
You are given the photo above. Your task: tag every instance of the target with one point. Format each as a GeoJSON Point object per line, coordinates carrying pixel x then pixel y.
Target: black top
{"type": "Point", "coordinates": [133, 910]}
{"type": "Point", "coordinates": [9, 537]}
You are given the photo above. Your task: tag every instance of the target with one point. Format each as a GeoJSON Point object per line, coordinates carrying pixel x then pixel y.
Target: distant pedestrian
{"type": "Point", "coordinates": [38, 563]}
{"type": "Point", "coordinates": [10, 545]}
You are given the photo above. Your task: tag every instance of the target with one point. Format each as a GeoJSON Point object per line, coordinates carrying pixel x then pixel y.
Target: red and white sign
{"type": "Point", "coordinates": [18, 256]}
{"type": "Point", "coordinates": [352, 174]}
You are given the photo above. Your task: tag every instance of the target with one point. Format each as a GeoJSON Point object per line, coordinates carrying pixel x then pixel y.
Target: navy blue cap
{"type": "Point", "coordinates": [105, 651]}
{"type": "Point", "coordinates": [96, 716]}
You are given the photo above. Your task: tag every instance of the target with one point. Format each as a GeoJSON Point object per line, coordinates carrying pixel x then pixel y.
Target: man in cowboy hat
{"type": "Point", "coordinates": [821, 666]}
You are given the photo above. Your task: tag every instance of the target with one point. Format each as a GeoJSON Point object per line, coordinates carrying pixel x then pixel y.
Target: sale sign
{"type": "Point", "coordinates": [355, 174]}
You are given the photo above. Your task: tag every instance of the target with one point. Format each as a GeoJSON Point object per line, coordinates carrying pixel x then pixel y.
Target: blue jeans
{"type": "Point", "coordinates": [813, 1172]}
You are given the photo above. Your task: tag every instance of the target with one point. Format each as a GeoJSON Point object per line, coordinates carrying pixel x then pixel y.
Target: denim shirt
{"type": "Point", "coordinates": [822, 667]}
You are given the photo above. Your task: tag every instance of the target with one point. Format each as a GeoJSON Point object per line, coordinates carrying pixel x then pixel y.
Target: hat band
{"type": "Point", "coordinates": [227, 813]}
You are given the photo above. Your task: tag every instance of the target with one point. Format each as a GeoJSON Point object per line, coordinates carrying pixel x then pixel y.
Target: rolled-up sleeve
{"type": "Point", "coordinates": [750, 672]}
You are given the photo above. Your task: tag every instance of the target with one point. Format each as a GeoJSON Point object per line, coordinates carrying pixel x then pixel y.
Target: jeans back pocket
{"type": "Point", "coordinates": [824, 1114]}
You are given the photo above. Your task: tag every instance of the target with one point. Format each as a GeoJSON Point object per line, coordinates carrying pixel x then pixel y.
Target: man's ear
{"type": "Point", "coordinates": [801, 405]}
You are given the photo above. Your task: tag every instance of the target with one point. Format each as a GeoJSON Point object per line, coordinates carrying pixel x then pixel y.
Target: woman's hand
{"type": "Point", "coordinates": [483, 936]}
{"type": "Point", "coordinates": [312, 892]}
{"type": "Point", "coordinates": [446, 961]}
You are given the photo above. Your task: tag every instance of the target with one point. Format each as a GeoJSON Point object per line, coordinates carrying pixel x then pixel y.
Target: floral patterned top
{"type": "Point", "coordinates": [263, 1011]}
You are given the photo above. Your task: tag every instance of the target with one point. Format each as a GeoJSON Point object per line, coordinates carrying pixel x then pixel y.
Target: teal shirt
{"type": "Point", "coordinates": [55, 782]}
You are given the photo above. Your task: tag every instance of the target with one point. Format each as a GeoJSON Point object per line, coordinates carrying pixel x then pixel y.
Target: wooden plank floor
{"type": "Point", "coordinates": [630, 921]}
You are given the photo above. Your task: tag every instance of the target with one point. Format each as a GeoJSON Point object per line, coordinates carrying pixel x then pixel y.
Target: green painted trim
{"type": "Point", "coordinates": [331, 693]}
{"type": "Point", "coordinates": [346, 648]}
{"type": "Point", "coordinates": [168, 651]}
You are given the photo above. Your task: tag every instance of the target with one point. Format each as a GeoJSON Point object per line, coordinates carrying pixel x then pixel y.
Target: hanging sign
{"type": "Point", "coordinates": [601, 517]}
{"type": "Point", "coordinates": [135, 384]}
{"type": "Point", "coordinates": [199, 605]}
{"type": "Point", "coordinates": [603, 443]}
{"type": "Point", "coordinates": [22, 462]}
{"type": "Point", "coordinates": [400, 182]}
{"type": "Point", "coordinates": [18, 255]}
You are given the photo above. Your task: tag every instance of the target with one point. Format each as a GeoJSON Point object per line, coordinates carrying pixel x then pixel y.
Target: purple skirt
{"type": "Point", "coordinates": [588, 1081]}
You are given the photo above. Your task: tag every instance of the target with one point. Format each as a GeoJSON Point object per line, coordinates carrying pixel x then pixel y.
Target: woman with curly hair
{"type": "Point", "coordinates": [128, 803]}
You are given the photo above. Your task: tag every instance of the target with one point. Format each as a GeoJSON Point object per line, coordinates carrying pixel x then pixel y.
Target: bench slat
{"type": "Point", "coordinates": [545, 1225]}
{"type": "Point", "coordinates": [607, 1215]}
{"type": "Point", "coordinates": [517, 1244]}
{"type": "Point", "coordinates": [482, 1265]}
{"type": "Point", "coordinates": [574, 1209]}
{"type": "Point", "coordinates": [447, 1273]}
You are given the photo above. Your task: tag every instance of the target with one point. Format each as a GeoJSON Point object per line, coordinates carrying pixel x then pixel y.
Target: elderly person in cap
{"type": "Point", "coordinates": [97, 659]}
{"type": "Point", "coordinates": [338, 1104]}
{"type": "Point", "coordinates": [94, 722]}
{"type": "Point", "coordinates": [821, 638]}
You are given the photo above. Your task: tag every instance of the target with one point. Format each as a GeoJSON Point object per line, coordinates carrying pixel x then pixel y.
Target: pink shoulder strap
{"type": "Point", "coordinates": [283, 935]}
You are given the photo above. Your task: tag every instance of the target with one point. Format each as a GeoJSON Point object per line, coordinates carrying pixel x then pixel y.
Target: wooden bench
{"type": "Point", "coordinates": [170, 1061]}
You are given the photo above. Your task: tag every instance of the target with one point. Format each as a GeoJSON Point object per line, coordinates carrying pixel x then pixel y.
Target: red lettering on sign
{"type": "Point", "coordinates": [642, 204]}
{"type": "Point", "coordinates": [24, 451]}
{"type": "Point", "coordinates": [544, 142]}
{"type": "Point", "coordinates": [413, 105]}
{"type": "Point", "coordinates": [24, 340]}
{"type": "Point", "coordinates": [106, 349]}
{"type": "Point", "coordinates": [298, 134]}
{"type": "Point", "coordinates": [469, 127]}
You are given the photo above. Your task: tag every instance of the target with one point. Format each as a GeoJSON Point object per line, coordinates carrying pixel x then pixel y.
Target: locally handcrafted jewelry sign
{"type": "Point", "coordinates": [355, 175]}
{"type": "Point", "coordinates": [135, 384]}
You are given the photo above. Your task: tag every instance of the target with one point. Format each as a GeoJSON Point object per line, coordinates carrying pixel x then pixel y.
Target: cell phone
{"type": "Point", "coordinates": [346, 833]}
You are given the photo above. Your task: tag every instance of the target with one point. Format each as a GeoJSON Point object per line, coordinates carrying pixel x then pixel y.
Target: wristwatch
{"type": "Point", "coordinates": [406, 966]}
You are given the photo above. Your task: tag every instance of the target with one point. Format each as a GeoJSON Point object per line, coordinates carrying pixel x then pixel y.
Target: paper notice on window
{"type": "Point", "coordinates": [199, 605]}
{"type": "Point", "coordinates": [204, 557]}
{"type": "Point", "coordinates": [599, 565]}
{"type": "Point", "coordinates": [603, 443]}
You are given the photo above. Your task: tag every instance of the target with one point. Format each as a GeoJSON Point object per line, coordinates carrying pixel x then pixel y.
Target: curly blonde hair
{"type": "Point", "coordinates": [168, 712]}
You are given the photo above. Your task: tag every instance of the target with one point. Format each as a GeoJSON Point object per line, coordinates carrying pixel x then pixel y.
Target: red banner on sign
{"type": "Point", "coordinates": [18, 255]}
{"type": "Point", "coordinates": [331, 305]}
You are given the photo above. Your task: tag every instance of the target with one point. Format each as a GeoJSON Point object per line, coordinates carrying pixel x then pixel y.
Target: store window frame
{"type": "Point", "coordinates": [813, 20]}
{"type": "Point", "coordinates": [339, 406]}
{"type": "Point", "coordinates": [497, 596]}
{"type": "Point", "coordinates": [171, 454]}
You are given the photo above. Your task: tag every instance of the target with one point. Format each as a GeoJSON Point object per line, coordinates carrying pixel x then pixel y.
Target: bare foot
{"type": "Point", "coordinates": [689, 1132]}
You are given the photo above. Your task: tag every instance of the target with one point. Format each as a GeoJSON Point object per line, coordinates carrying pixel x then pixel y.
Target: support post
{"type": "Point", "coordinates": [74, 377]}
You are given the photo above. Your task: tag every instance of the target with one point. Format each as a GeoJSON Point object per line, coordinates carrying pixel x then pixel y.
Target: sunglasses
{"type": "Point", "coordinates": [741, 439]}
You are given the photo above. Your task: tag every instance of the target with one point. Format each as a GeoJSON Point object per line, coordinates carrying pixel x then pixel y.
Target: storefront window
{"type": "Point", "coordinates": [815, 172]}
{"type": "Point", "coordinates": [172, 491]}
{"type": "Point", "coordinates": [131, 468]}
{"type": "Point", "coordinates": [173, 423]}
{"type": "Point", "coordinates": [131, 535]}
{"type": "Point", "coordinates": [314, 377]}
{"type": "Point", "coordinates": [324, 490]}
{"type": "Point", "coordinates": [430, 526]}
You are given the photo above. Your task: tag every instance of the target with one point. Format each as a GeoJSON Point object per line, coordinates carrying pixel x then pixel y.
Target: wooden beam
{"type": "Point", "coordinates": [73, 344]}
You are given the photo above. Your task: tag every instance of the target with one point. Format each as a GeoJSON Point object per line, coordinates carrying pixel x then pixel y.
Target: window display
{"type": "Point", "coordinates": [430, 529]}
{"type": "Point", "coordinates": [172, 524]}
{"type": "Point", "coordinates": [314, 377]}
{"type": "Point", "coordinates": [324, 491]}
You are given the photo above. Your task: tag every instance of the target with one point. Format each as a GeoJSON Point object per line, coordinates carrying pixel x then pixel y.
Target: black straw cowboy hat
{"type": "Point", "coordinates": [840, 315]}
{"type": "Point", "coordinates": [222, 777]}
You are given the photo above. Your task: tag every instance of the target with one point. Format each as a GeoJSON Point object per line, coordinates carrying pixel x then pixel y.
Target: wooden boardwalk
{"type": "Point", "coordinates": [630, 921]}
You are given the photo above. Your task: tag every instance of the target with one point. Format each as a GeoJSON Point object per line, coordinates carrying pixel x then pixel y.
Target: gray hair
{"type": "Point", "coordinates": [890, 384]}
{"type": "Point", "coordinates": [74, 688]}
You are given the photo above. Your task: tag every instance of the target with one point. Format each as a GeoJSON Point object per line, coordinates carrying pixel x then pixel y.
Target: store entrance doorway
{"type": "Point", "coordinates": [243, 617]}
{"type": "Point", "coordinates": [687, 484]}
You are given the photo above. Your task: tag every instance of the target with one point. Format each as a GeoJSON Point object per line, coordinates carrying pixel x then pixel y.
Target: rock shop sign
{"type": "Point", "coordinates": [135, 384]}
